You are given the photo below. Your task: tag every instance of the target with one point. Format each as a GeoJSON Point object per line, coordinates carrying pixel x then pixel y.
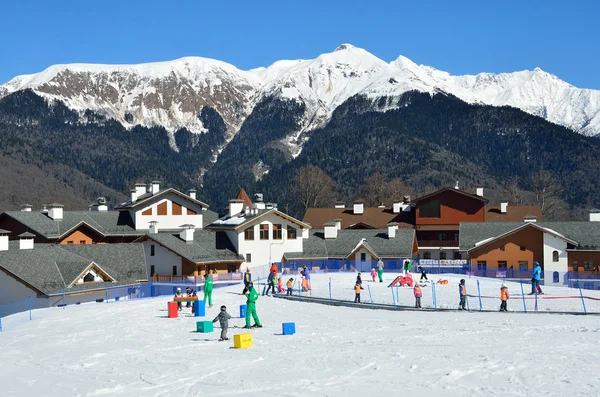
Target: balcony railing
{"type": "Point", "coordinates": [437, 243]}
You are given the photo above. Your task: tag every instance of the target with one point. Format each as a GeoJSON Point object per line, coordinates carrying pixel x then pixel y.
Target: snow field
{"type": "Point", "coordinates": [130, 348]}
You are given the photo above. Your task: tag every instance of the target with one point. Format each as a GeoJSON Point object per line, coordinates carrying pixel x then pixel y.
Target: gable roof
{"type": "Point", "coordinates": [363, 244]}
{"type": "Point", "coordinates": [514, 213]}
{"type": "Point", "coordinates": [242, 195]}
{"type": "Point", "coordinates": [206, 247]}
{"type": "Point", "coordinates": [584, 234]}
{"type": "Point", "coordinates": [374, 217]}
{"type": "Point", "coordinates": [318, 247]}
{"type": "Point", "coordinates": [146, 197]}
{"type": "Point", "coordinates": [242, 219]}
{"type": "Point", "coordinates": [450, 189]}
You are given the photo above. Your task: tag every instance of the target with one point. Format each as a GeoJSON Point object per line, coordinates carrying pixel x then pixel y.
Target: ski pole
{"type": "Point", "coordinates": [582, 300]}
{"type": "Point", "coordinates": [479, 293]}
{"type": "Point", "coordinates": [523, 296]}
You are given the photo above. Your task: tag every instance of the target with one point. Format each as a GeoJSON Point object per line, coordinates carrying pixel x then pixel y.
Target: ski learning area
{"type": "Point", "coordinates": [132, 348]}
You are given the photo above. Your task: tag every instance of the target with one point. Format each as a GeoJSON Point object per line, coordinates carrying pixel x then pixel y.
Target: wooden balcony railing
{"type": "Point", "coordinates": [437, 243]}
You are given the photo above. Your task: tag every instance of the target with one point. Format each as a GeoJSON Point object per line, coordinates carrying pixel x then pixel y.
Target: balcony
{"type": "Point", "coordinates": [437, 243]}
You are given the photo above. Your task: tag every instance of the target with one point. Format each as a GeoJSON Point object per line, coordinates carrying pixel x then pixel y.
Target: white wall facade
{"type": "Point", "coordinates": [551, 244]}
{"type": "Point", "coordinates": [163, 259]}
{"type": "Point", "coordinates": [168, 221]}
{"type": "Point", "coordinates": [264, 252]}
{"type": "Point", "coordinates": [12, 290]}
{"type": "Point", "coordinates": [364, 267]}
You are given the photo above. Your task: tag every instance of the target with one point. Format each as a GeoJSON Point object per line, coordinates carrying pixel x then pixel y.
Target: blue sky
{"type": "Point", "coordinates": [561, 37]}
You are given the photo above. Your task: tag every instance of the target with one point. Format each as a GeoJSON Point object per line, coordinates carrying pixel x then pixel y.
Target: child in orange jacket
{"type": "Point", "coordinates": [357, 292]}
{"type": "Point", "coordinates": [504, 298]}
{"type": "Point", "coordinates": [418, 294]}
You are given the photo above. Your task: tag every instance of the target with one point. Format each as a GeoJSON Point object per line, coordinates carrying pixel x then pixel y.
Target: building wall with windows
{"type": "Point", "coordinates": [161, 261]}
{"type": "Point", "coordinates": [555, 260]}
{"type": "Point", "coordinates": [363, 260]}
{"type": "Point", "coordinates": [80, 236]}
{"type": "Point", "coordinates": [170, 211]}
{"type": "Point", "coordinates": [449, 208]}
{"type": "Point", "coordinates": [585, 262]}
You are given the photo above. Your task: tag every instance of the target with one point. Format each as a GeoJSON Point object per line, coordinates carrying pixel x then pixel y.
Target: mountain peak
{"type": "Point", "coordinates": [344, 46]}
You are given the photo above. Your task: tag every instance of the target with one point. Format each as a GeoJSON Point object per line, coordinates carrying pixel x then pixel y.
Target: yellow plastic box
{"type": "Point", "coordinates": [242, 341]}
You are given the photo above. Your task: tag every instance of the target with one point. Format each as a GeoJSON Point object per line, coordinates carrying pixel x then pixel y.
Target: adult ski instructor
{"type": "Point", "coordinates": [252, 297]}
{"type": "Point", "coordinates": [536, 275]}
{"type": "Point", "coordinates": [380, 270]}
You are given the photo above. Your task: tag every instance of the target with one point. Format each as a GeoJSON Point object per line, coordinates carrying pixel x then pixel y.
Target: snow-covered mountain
{"type": "Point", "coordinates": [171, 94]}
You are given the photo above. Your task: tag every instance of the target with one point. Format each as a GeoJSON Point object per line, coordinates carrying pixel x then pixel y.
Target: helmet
{"type": "Point", "coordinates": [536, 263]}
{"type": "Point", "coordinates": [178, 289]}
{"type": "Point", "coordinates": [247, 270]}
{"type": "Point", "coordinates": [503, 285]}
{"type": "Point", "coordinates": [223, 308]}
{"type": "Point", "coordinates": [462, 280]}
{"type": "Point", "coordinates": [250, 284]}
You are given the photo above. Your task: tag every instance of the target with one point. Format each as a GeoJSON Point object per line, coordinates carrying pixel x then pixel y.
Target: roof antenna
{"type": "Point", "coordinates": [456, 187]}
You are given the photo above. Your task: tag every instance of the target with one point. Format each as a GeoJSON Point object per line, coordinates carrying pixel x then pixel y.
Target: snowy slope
{"type": "Point", "coordinates": [130, 348]}
{"type": "Point", "coordinates": [172, 93]}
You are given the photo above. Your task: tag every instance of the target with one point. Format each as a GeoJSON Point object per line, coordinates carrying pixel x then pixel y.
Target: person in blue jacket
{"type": "Point", "coordinates": [535, 279]}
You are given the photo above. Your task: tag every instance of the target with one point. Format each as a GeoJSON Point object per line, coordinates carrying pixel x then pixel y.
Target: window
{"type": "Point", "coordinates": [522, 248]}
{"type": "Point", "coordinates": [575, 266]}
{"type": "Point", "coordinates": [88, 278]}
{"type": "Point", "coordinates": [69, 242]}
{"type": "Point", "coordinates": [482, 265]}
{"type": "Point", "coordinates": [264, 231]}
{"type": "Point", "coordinates": [442, 236]}
{"type": "Point", "coordinates": [152, 270]}
{"type": "Point", "coordinates": [81, 241]}
{"type": "Point", "coordinates": [442, 255]}
{"type": "Point", "coordinates": [176, 209]}
{"type": "Point", "coordinates": [430, 209]}
{"type": "Point", "coordinates": [249, 233]}
{"type": "Point", "coordinates": [291, 232]}
{"type": "Point", "coordinates": [588, 266]}
{"type": "Point", "coordinates": [554, 256]}
{"type": "Point", "coordinates": [363, 257]}
{"type": "Point", "coordinates": [501, 248]}
{"type": "Point", "coordinates": [523, 265]}
{"type": "Point", "coordinates": [162, 208]}
{"type": "Point", "coordinates": [502, 265]}
{"type": "Point", "coordinates": [152, 250]}
{"type": "Point", "coordinates": [455, 236]}
{"type": "Point", "coordinates": [174, 270]}
{"type": "Point", "coordinates": [248, 258]}
{"type": "Point", "coordinates": [457, 255]}
{"type": "Point", "coordinates": [231, 268]}
{"type": "Point", "coordinates": [277, 231]}
{"type": "Point", "coordinates": [555, 277]}
{"type": "Point", "coordinates": [426, 255]}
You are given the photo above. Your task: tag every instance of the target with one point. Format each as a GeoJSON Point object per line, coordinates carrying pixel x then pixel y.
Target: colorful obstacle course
{"type": "Point", "coordinates": [401, 281]}
{"type": "Point", "coordinates": [199, 309]}
{"type": "Point", "coordinates": [243, 309]}
{"type": "Point", "coordinates": [172, 309]}
{"type": "Point", "coordinates": [242, 341]}
{"type": "Point", "coordinates": [185, 299]}
{"type": "Point", "coordinates": [204, 326]}
{"type": "Point", "coordinates": [288, 328]}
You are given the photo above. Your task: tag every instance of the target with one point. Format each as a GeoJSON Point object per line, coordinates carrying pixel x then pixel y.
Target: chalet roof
{"type": "Point", "coordinates": [318, 247]}
{"type": "Point", "coordinates": [586, 234]}
{"type": "Point", "coordinates": [207, 246]}
{"type": "Point", "coordinates": [242, 195]}
{"type": "Point", "coordinates": [146, 197]}
{"type": "Point", "coordinates": [242, 219]}
{"type": "Point", "coordinates": [51, 268]}
{"type": "Point", "coordinates": [450, 189]}
{"type": "Point", "coordinates": [377, 218]}
{"type": "Point", "coordinates": [514, 213]}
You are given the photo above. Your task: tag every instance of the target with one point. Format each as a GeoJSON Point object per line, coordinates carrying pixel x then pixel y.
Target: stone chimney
{"type": "Point", "coordinates": [26, 207]}
{"type": "Point", "coordinates": [153, 227]}
{"type": "Point", "coordinates": [530, 218]}
{"type": "Point", "coordinates": [479, 191]}
{"type": "Point", "coordinates": [154, 187]}
{"type": "Point", "coordinates": [4, 239]}
{"type": "Point", "coordinates": [392, 227]}
{"type": "Point", "coordinates": [235, 207]}
{"type": "Point", "coordinates": [503, 207]}
{"type": "Point", "coordinates": [55, 211]}
{"type": "Point", "coordinates": [192, 193]}
{"type": "Point", "coordinates": [187, 233]}
{"type": "Point", "coordinates": [359, 207]}
{"type": "Point", "coordinates": [338, 223]}
{"type": "Point", "coordinates": [330, 229]}
{"type": "Point", "coordinates": [26, 241]}
{"type": "Point", "coordinates": [339, 204]}
{"type": "Point", "coordinates": [594, 215]}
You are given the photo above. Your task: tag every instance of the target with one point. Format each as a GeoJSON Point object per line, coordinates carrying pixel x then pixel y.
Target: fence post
{"type": "Point", "coordinates": [479, 294]}
{"type": "Point", "coordinates": [582, 300]}
{"type": "Point", "coordinates": [393, 297]}
{"type": "Point", "coordinates": [370, 296]}
{"type": "Point", "coordinates": [523, 296]}
{"type": "Point", "coordinates": [433, 296]}
{"type": "Point", "coordinates": [536, 302]}
{"type": "Point", "coordinates": [30, 308]}
{"type": "Point", "coordinates": [106, 290]}
{"type": "Point", "coordinates": [330, 299]}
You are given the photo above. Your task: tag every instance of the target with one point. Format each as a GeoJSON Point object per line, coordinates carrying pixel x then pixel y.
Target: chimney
{"type": "Point", "coordinates": [140, 189]}
{"type": "Point", "coordinates": [55, 212]}
{"type": "Point", "coordinates": [235, 207]}
{"type": "Point", "coordinates": [187, 233]}
{"type": "Point", "coordinates": [26, 241]}
{"type": "Point", "coordinates": [359, 207]}
{"type": "Point", "coordinates": [456, 186]}
{"type": "Point", "coordinates": [396, 208]}
{"type": "Point", "coordinates": [330, 229]}
{"type": "Point", "coordinates": [133, 195]}
{"type": "Point", "coordinates": [339, 204]}
{"type": "Point", "coordinates": [269, 206]}
{"type": "Point", "coordinates": [594, 215]}
{"type": "Point", "coordinates": [101, 206]}
{"type": "Point", "coordinates": [338, 223]}
{"type": "Point", "coordinates": [479, 191]}
{"type": "Point", "coordinates": [192, 193]}
{"type": "Point", "coordinates": [406, 204]}
{"type": "Point", "coordinates": [154, 187]}
{"type": "Point", "coordinates": [258, 201]}
{"type": "Point", "coordinates": [392, 227]}
{"type": "Point", "coordinates": [305, 233]}
{"type": "Point", "coordinates": [153, 227]}
{"type": "Point", "coordinates": [381, 205]}
{"type": "Point", "coordinates": [258, 197]}
{"type": "Point", "coordinates": [26, 207]}
{"type": "Point", "coordinates": [503, 207]}
{"type": "Point", "coordinates": [4, 239]}
{"type": "Point", "coordinates": [530, 218]}
{"type": "Point", "coordinates": [44, 209]}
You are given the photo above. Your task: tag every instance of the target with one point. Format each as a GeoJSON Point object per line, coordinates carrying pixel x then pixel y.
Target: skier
{"type": "Point", "coordinates": [223, 317]}
{"type": "Point", "coordinates": [373, 274]}
{"type": "Point", "coordinates": [359, 280]}
{"type": "Point", "coordinates": [290, 285]}
{"type": "Point", "coordinates": [271, 283]}
{"type": "Point", "coordinates": [462, 290]}
{"type": "Point", "coordinates": [178, 295]}
{"type": "Point", "coordinates": [274, 268]}
{"type": "Point", "coordinates": [252, 297]}
{"type": "Point", "coordinates": [279, 285]}
{"type": "Point", "coordinates": [504, 298]}
{"type": "Point", "coordinates": [535, 279]}
{"type": "Point", "coordinates": [423, 273]}
{"type": "Point", "coordinates": [208, 288]}
{"type": "Point", "coordinates": [418, 294]}
{"type": "Point", "coordinates": [306, 275]}
{"type": "Point", "coordinates": [247, 280]}
{"type": "Point", "coordinates": [380, 270]}
{"type": "Point", "coordinates": [188, 293]}
{"type": "Point", "coordinates": [407, 267]}
{"type": "Point", "coordinates": [357, 289]}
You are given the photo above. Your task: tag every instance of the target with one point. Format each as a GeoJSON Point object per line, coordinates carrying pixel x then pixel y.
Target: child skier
{"type": "Point", "coordinates": [423, 273]}
{"type": "Point", "coordinates": [357, 289]}
{"type": "Point", "coordinates": [178, 295]}
{"type": "Point", "coordinates": [373, 274]}
{"type": "Point", "coordinates": [188, 293]}
{"type": "Point", "coordinates": [279, 284]}
{"type": "Point", "coordinates": [271, 283]}
{"type": "Point", "coordinates": [504, 298]}
{"type": "Point", "coordinates": [252, 297]}
{"type": "Point", "coordinates": [247, 280]}
{"type": "Point", "coordinates": [462, 290]}
{"type": "Point", "coordinates": [418, 295]}
{"type": "Point", "coordinates": [194, 302]}
{"type": "Point", "coordinates": [290, 286]}
{"type": "Point", "coordinates": [305, 287]}
{"type": "Point", "coordinates": [208, 288]}
{"type": "Point", "coordinates": [223, 318]}
{"type": "Point", "coordinates": [359, 280]}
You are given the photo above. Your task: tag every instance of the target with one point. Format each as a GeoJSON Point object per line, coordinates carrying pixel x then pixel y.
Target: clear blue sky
{"type": "Point", "coordinates": [561, 37]}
